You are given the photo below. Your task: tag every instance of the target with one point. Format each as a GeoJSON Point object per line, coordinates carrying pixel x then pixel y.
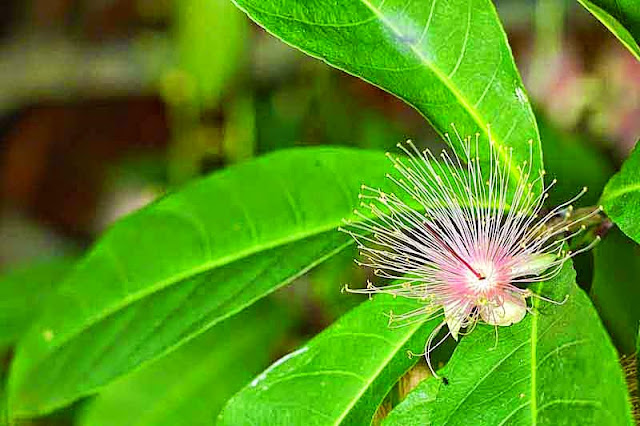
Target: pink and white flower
{"type": "Point", "coordinates": [465, 238]}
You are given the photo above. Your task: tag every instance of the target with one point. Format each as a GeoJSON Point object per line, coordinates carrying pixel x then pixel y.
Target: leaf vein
{"type": "Point", "coordinates": [314, 23]}
{"type": "Point", "coordinates": [485, 376]}
{"type": "Point", "coordinates": [560, 348]}
{"type": "Point", "coordinates": [448, 84]}
{"type": "Point", "coordinates": [464, 43]}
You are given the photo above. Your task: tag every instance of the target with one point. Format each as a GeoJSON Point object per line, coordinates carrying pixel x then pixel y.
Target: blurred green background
{"type": "Point", "coordinates": [107, 104]}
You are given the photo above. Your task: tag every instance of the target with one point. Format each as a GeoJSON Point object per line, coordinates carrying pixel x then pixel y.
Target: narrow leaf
{"type": "Point", "coordinates": [557, 366]}
{"type": "Point", "coordinates": [340, 377]}
{"type": "Point", "coordinates": [621, 196]}
{"type": "Point", "coordinates": [449, 60]}
{"type": "Point", "coordinates": [170, 271]}
{"type": "Point", "coordinates": [621, 17]}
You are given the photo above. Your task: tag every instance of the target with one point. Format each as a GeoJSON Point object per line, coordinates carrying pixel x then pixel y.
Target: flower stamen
{"type": "Point", "coordinates": [466, 238]}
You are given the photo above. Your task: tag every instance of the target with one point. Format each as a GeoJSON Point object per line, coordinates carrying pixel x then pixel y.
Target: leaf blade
{"type": "Point", "coordinates": [344, 350]}
{"type": "Point", "coordinates": [621, 196]}
{"type": "Point", "coordinates": [418, 53]}
{"type": "Point", "coordinates": [417, 407]}
{"type": "Point", "coordinates": [164, 259]}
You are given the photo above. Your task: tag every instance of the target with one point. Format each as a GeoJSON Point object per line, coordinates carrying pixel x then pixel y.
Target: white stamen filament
{"type": "Point", "coordinates": [462, 239]}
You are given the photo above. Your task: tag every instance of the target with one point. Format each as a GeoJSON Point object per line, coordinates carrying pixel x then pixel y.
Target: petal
{"type": "Point", "coordinates": [454, 316]}
{"type": "Point", "coordinates": [532, 264]}
{"type": "Point", "coordinates": [512, 310]}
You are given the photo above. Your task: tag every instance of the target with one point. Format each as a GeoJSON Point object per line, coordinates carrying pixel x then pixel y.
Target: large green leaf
{"type": "Point", "coordinates": [621, 196]}
{"type": "Point", "coordinates": [556, 367]}
{"type": "Point", "coordinates": [23, 292]}
{"type": "Point", "coordinates": [168, 272]}
{"type": "Point", "coordinates": [191, 385]}
{"type": "Point", "coordinates": [616, 287]}
{"type": "Point", "coordinates": [621, 17]}
{"type": "Point", "coordinates": [449, 59]}
{"type": "Point", "coordinates": [340, 377]}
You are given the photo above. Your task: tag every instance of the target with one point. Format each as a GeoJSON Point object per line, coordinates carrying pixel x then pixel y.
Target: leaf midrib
{"type": "Point", "coordinates": [373, 377]}
{"type": "Point", "coordinates": [208, 266]}
{"type": "Point", "coordinates": [608, 196]}
{"type": "Point", "coordinates": [513, 170]}
{"type": "Point", "coordinates": [134, 297]}
{"type": "Point", "coordinates": [47, 407]}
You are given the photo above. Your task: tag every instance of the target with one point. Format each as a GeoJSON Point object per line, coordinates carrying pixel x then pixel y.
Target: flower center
{"type": "Point", "coordinates": [485, 280]}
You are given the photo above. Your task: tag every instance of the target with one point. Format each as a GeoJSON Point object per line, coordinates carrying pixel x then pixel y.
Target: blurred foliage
{"type": "Point", "coordinates": [210, 37]}
{"type": "Point", "coordinates": [575, 162]}
{"type": "Point", "coordinates": [615, 290]}
{"type": "Point", "coordinates": [190, 385]}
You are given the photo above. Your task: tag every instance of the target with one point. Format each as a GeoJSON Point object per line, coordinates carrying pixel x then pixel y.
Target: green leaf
{"type": "Point", "coordinates": [191, 385]}
{"type": "Point", "coordinates": [417, 407]}
{"type": "Point", "coordinates": [616, 287]}
{"type": "Point", "coordinates": [23, 292]}
{"type": "Point", "coordinates": [621, 196]}
{"type": "Point", "coordinates": [555, 367]}
{"type": "Point", "coordinates": [449, 60]}
{"type": "Point", "coordinates": [621, 17]}
{"type": "Point", "coordinates": [340, 377]}
{"type": "Point", "coordinates": [170, 271]}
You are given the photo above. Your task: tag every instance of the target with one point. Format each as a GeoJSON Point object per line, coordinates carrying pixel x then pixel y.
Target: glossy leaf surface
{"type": "Point", "coordinates": [170, 271]}
{"type": "Point", "coordinates": [340, 377]}
{"type": "Point", "coordinates": [557, 367]}
{"type": "Point", "coordinates": [450, 60]}
{"type": "Point", "coordinates": [621, 196]}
